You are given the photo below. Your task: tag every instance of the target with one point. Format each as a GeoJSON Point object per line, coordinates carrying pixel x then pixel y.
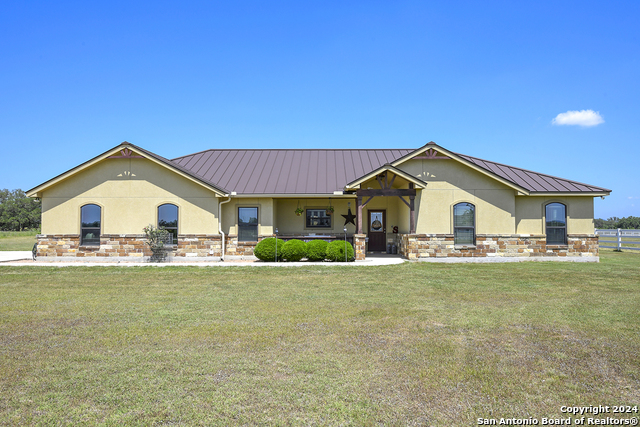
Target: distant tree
{"type": "Point", "coordinates": [17, 211]}
{"type": "Point", "coordinates": [599, 223]}
{"type": "Point", "coordinates": [630, 222]}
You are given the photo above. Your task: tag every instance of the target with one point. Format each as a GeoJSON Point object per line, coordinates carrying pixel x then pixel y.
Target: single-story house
{"type": "Point", "coordinates": [430, 202]}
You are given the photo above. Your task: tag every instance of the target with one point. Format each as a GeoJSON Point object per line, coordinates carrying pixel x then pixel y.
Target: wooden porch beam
{"type": "Point", "coordinates": [405, 202]}
{"type": "Point", "coordinates": [393, 178]}
{"type": "Point", "coordinates": [389, 192]}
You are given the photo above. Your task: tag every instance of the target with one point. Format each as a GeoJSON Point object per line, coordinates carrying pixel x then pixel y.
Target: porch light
{"type": "Point", "coordinates": [345, 244]}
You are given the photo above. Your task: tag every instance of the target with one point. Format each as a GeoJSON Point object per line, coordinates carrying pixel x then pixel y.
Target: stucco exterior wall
{"type": "Point", "coordinates": [265, 214]}
{"type": "Point", "coordinates": [129, 192]}
{"type": "Point", "coordinates": [530, 214]}
{"type": "Point", "coordinates": [450, 182]}
{"type": "Point", "coordinates": [289, 223]}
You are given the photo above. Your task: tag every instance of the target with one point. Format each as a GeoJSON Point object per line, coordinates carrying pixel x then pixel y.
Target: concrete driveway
{"type": "Point", "coordinates": [6, 256]}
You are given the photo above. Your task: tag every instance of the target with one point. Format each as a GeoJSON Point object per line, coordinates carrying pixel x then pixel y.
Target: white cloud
{"type": "Point", "coordinates": [586, 118]}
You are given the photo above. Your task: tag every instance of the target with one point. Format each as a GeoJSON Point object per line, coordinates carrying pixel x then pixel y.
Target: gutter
{"type": "Point", "coordinates": [220, 225]}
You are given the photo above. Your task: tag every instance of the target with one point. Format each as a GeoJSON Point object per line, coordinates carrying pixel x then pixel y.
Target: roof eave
{"type": "Point", "coordinates": [570, 193]}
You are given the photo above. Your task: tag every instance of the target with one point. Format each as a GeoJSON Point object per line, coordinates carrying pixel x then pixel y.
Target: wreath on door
{"type": "Point", "coordinates": [376, 225]}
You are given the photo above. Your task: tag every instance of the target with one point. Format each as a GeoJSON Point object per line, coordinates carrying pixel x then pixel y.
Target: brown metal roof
{"type": "Point", "coordinates": [285, 171]}
{"type": "Point", "coordinates": [534, 181]}
{"type": "Point", "coordinates": [325, 171]}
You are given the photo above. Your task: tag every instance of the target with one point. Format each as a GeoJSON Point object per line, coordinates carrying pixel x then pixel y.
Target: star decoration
{"type": "Point", "coordinates": [349, 218]}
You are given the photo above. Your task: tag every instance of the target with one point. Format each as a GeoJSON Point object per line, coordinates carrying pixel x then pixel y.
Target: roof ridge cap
{"type": "Point", "coordinates": [291, 149]}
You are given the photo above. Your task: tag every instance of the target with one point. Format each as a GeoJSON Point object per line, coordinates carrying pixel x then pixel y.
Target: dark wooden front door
{"type": "Point", "coordinates": [377, 230]}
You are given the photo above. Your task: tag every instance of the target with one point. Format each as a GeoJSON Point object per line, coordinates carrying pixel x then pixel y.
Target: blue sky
{"type": "Point", "coordinates": [479, 78]}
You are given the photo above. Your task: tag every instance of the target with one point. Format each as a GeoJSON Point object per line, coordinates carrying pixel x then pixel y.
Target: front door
{"type": "Point", "coordinates": [377, 230]}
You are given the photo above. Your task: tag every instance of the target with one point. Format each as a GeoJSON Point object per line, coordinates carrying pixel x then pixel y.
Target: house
{"type": "Point", "coordinates": [431, 202]}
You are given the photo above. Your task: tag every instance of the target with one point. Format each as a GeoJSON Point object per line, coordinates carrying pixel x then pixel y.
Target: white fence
{"type": "Point", "coordinates": [618, 234]}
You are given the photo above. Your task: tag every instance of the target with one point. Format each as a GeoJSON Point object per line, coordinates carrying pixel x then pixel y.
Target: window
{"type": "Point", "coordinates": [168, 219]}
{"type": "Point", "coordinates": [247, 224]}
{"type": "Point", "coordinates": [318, 218]}
{"type": "Point", "coordinates": [90, 219]}
{"type": "Point", "coordinates": [556, 221]}
{"type": "Point", "coordinates": [464, 224]}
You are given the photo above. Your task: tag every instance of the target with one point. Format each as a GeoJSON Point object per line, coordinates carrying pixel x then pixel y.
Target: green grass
{"type": "Point", "coordinates": [613, 241]}
{"type": "Point", "coordinates": [17, 240]}
{"type": "Point", "coordinates": [412, 344]}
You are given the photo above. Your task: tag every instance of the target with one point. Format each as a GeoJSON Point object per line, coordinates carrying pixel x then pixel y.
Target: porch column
{"type": "Point", "coordinates": [359, 226]}
{"type": "Point", "coordinates": [412, 217]}
{"type": "Point", "coordinates": [412, 214]}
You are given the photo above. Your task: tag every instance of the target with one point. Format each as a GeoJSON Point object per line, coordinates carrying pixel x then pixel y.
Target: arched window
{"type": "Point", "coordinates": [556, 222]}
{"type": "Point", "coordinates": [168, 219]}
{"type": "Point", "coordinates": [464, 224]}
{"type": "Point", "coordinates": [90, 221]}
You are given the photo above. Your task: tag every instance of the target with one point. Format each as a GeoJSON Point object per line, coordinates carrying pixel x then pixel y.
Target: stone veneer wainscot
{"type": "Point", "coordinates": [126, 245]}
{"type": "Point", "coordinates": [416, 246]}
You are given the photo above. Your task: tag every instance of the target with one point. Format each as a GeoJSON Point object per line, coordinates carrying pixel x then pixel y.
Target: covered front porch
{"type": "Point", "coordinates": [372, 214]}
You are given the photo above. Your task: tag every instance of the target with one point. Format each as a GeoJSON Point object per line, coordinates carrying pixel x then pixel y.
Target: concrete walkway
{"type": "Point", "coordinates": [6, 256]}
{"type": "Point", "coordinates": [18, 259]}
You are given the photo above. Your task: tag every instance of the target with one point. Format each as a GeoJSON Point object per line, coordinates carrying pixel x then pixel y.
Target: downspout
{"type": "Point", "coordinates": [220, 225]}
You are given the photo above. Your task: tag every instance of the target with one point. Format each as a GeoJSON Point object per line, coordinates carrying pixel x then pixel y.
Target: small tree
{"type": "Point", "coordinates": [18, 212]}
{"type": "Point", "coordinates": [156, 238]}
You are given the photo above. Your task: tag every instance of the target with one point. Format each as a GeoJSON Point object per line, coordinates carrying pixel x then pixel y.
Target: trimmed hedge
{"type": "Point", "coordinates": [335, 251]}
{"type": "Point", "coordinates": [265, 250]}
{"type": "Point", "coordinates": [294, 250]}
{"type": "Point", "coordinates": [317, 250]}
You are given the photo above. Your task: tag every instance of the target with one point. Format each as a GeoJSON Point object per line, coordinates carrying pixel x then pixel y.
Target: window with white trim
{"type": "Point", "coordinates": [90, 225]}
{"type": "Point", "coordinates": [464, 224]}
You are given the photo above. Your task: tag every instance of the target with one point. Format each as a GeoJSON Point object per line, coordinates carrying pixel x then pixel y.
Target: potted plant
{"type": "Point", "coordinates": [299, 211]}
{"type": "Point", "coordinates": [330, 210]}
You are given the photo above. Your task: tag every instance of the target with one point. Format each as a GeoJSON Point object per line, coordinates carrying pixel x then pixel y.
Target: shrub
{"type": "Point", "coordinates": [265, 250]}
{"type": "Point", "coordinates": [316, 250]}
{"type": "Point", "coordinates": [294, 250]}
{"type": "Point", "coordinates": [335, 251]}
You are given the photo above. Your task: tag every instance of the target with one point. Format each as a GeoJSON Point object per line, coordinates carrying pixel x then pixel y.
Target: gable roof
{"type": "Point", "coordinates": [34, 192]}
{"type": "Point", "coordinates": [523, 180]}
{"type": "Point", "coordinates": [387, 167]}
{"type": "Point", "coordinates": [322, 172]}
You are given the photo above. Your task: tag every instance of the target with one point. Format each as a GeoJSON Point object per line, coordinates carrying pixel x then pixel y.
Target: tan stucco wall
{"type": "Point", "coordinates": [129, 191]}
{"type": "Point", "coordinates": [265, 214]}
{"type": "Point", "coordinates": [530, 214]}
{"type": "Point", "coordinates": [289, 223]}
{"type": "Point", "coordinates": [450, 182]}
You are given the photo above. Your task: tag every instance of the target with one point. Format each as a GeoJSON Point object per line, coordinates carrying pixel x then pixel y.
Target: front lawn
{"type": "Point", "coordinates": [17, 240]}
{"type": "Point", "coordinates": [411, 344]}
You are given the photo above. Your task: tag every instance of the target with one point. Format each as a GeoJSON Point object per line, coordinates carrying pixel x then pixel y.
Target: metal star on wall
{"type": "Point", "coordinates": [349, 218]}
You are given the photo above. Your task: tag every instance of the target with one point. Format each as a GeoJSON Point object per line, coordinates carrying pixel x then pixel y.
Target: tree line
{"type": "Point", "coordinates": [630, 222]}
{"type": "Point", "coordinates": [18, 212]}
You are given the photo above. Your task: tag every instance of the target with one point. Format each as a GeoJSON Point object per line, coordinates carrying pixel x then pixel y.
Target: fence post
{"type": "Point", "coordinates": [619, 241]}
